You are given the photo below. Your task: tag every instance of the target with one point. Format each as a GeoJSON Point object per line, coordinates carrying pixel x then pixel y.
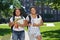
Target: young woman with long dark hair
{"type": "Point", "coordinates": [17, 25]}
{"type": "Point", "coordinates": [34, 23]}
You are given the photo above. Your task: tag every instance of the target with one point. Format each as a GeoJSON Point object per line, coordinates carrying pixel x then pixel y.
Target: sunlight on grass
{"type": "Point", "coordinates": [4, 26]}
{"type": "Point", "coordinates": [48, 33]}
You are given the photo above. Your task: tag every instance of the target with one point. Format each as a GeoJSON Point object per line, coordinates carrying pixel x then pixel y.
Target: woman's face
{"type": "Point", "coordinates": [17, 12]}
{"type": "Point", "coordinates": [33, 10]}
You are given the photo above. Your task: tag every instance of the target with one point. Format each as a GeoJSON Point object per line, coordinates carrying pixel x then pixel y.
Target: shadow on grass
{"type": "Point", "coordinates": [4, 31]}
{"type": "Point", "coordinates": [51, 34]}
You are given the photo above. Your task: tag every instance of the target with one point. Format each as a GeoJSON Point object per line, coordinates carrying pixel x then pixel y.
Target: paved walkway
{"type": "Point", "coordinates": [26, 35]}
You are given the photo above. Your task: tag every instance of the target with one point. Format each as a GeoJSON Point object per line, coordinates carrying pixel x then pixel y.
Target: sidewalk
{"type": "Point", "coordinates": [26, 35]}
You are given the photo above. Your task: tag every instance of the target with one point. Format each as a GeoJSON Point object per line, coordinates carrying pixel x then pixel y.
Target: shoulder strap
{"type": "Point", "coordinates": [22, 16]}
{"type": "Point", "coordinates": [37, 16]}
{"type": "Point", "coordinates": [13, 20]}
{"type": "Point", "coordinates": [29, 18]}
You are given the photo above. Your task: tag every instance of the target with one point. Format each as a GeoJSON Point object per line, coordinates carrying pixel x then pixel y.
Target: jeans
{"type": "Point", "coordinates": [18, 35]}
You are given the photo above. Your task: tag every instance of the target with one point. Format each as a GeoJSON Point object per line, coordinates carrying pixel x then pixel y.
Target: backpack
{"type": "Point", "coordinates": [30, 19]}
{"type": "Point", "coordinates": [13, 20]}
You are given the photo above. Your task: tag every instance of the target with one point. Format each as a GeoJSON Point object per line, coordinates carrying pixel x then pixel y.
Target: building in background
{"type": "Point", "coordinates": [47, 13]}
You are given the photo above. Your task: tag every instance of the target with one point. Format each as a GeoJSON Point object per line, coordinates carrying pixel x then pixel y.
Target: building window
{"type": "Point", "coordinates": [58, 11]}
{"type": "Point", "coordinates": [27, 0]}
{"type": "Point", "coordinates": [40, 6]}
{"type": "Point", "coordinates": [51, 11]}
{"type": "Point", "coordinates": [24, 0]}
{"type": "Point", "coordinates": [55, 11]}
{"type": "Point", "coordinates": [31, 4]}
{"type": "Point", "coordinates": [45, 6]}
{"type": "Point", "coordinates": [40, 12]}
{"type": "Point", "coordinates": [27, 4]}
{"type": "Point", "coordinates": [45, 11]}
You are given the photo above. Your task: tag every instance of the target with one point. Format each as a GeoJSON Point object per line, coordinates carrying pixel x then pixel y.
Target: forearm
{"type": "Point", "coordinates": [41, 23]}
{"type": "Point", "coordinates": [11, 24]}
{"type": "Point", "coordinates": [25, 23]}
{"type": "Point", "coordinates": [21, 25]}
{"type": "Point", "coordinates": [37, 25]}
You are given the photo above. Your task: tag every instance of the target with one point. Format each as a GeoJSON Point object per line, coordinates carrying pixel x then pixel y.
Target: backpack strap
{"type": "Point", "coordinates": [37, 16]}
{"type": "Point", "coordinates": [29, 19]}
{"type": "Point", "coordinates": [22, 17]}
{"type": "Point", "coordinates": [13, 20]}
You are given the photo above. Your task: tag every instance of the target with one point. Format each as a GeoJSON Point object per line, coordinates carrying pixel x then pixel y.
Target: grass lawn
{"type": "Point", "coordinates": [48, 33]}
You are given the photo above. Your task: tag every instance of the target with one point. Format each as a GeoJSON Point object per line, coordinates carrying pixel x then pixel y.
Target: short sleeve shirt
{"type": "Point", "coordinates": [19, 20]}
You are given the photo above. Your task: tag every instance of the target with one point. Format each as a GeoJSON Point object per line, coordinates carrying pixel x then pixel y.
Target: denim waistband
{"type": "Point", "coordinates": [19, 31]}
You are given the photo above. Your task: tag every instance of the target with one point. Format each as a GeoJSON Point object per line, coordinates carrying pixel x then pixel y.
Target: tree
{"type": "Point", "coordinates": [16, 3]}
{"type": "Point", "coordinates": [55, 4]}
{"type": "Point", "coordinates": [5, 7]}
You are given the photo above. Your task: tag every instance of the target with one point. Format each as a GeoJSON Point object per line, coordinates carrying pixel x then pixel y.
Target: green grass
{"type": "Point", "coordinates": [4, 30]}
{"type": "Point", "coordinates": [48, 33]}
{"type": "Point", "coordinates": [51, 33]}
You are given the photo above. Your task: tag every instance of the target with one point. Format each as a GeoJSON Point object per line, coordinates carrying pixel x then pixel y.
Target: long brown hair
{"type": "Point", "coordinates": [33, 7]}
{"type": "Point", "coordinates": [14, 14]}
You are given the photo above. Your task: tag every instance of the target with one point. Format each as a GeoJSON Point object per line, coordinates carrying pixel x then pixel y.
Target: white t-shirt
{"type": "Point", "coordinates": [34, 20]}
{"type": "Point", "coordinates": [34, 29]}
{"type": "Point", "coordinates": [19, 20]}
